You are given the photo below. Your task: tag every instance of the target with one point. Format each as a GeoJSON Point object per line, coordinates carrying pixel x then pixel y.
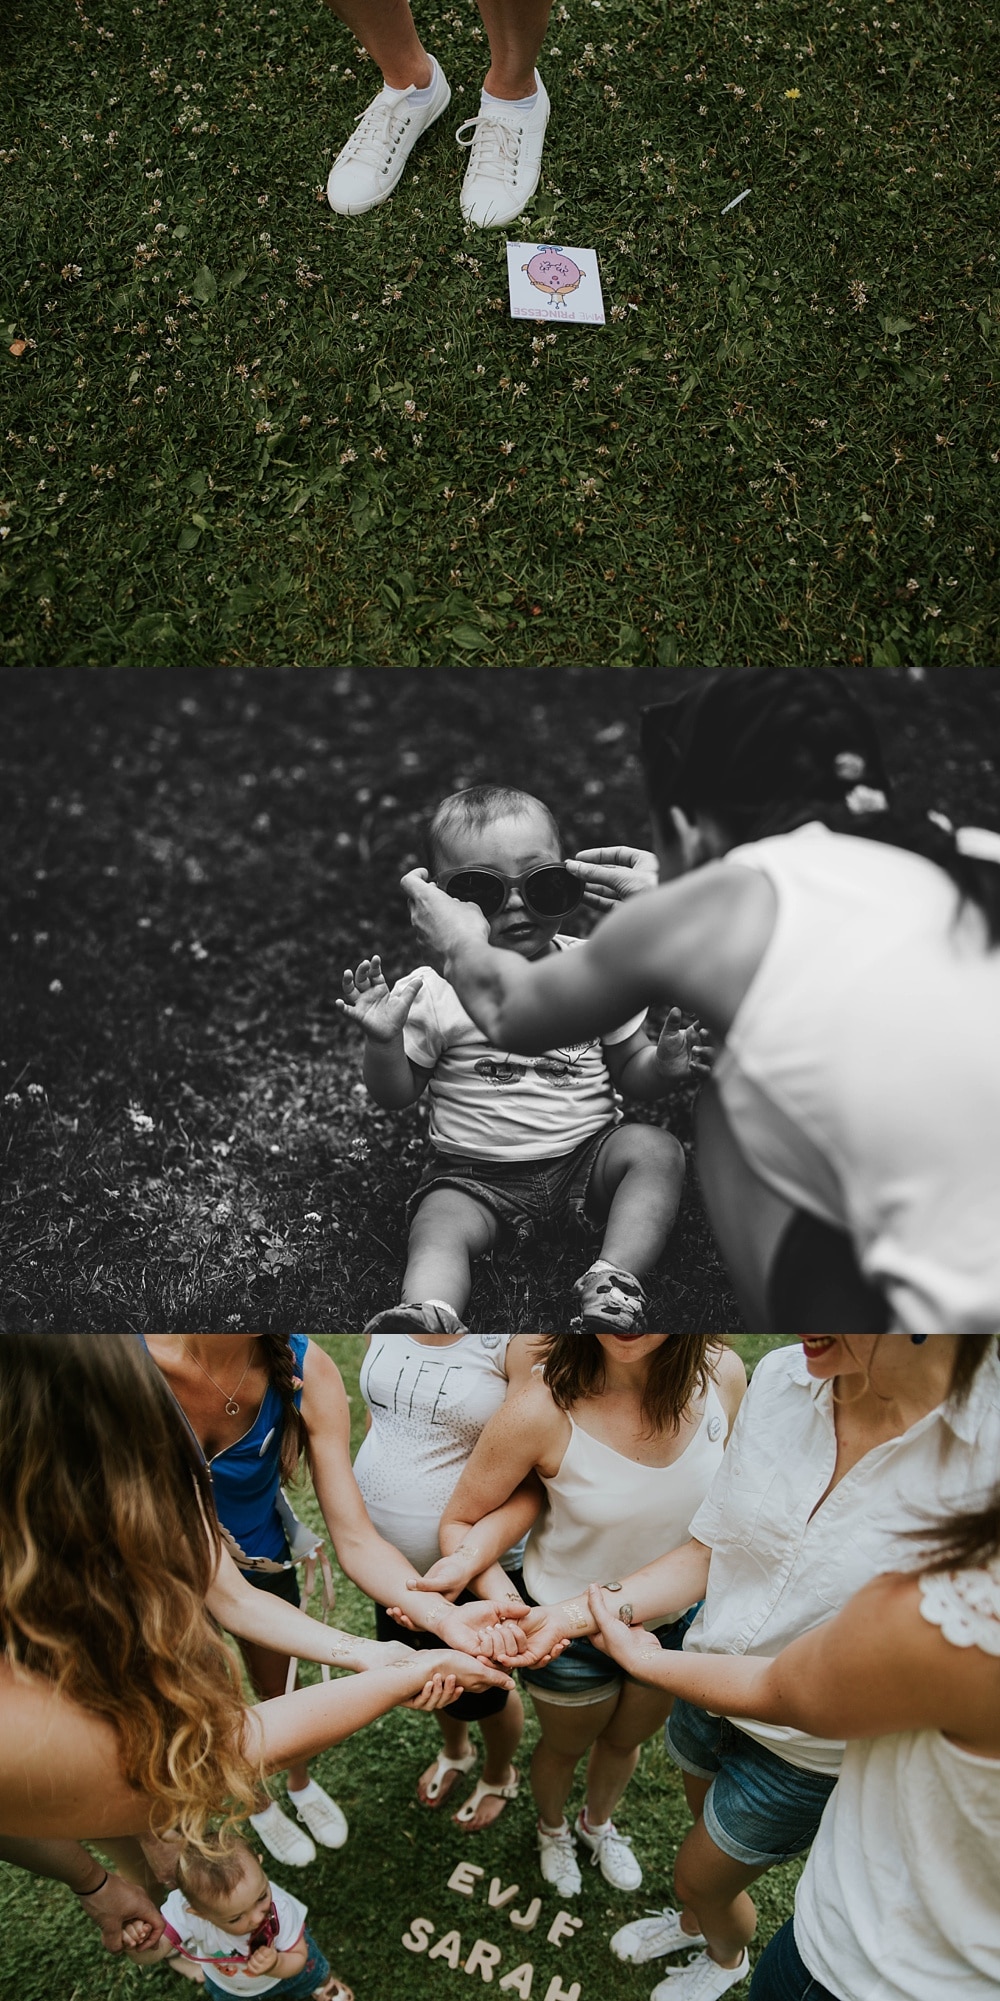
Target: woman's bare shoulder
{"type": "Point", "coordinates": [60, 1773]}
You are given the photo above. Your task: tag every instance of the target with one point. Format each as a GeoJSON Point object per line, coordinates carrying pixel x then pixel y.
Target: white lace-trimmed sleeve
{"type": "Point", "coordinates": [966, 1606]}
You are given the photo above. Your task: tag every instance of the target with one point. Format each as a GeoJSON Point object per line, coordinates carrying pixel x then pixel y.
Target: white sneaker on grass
{"type": "Point", "coordinates": [611, 1852]}
{"type": "Point", "coordinates": [702, 1979]}
{"type": "Point", "coordinates": [325, 1820]}
{"type": "Point", "coordinates": [282, 1839]}
{"type": "Point", "coordinates": [559, 1865]}
{"type": "Point", "coordinates": [366, 170]}
{"type": "Point", "coordinates": [505, 160]}
{"type": "Point", "coordinates": [652, 1937]}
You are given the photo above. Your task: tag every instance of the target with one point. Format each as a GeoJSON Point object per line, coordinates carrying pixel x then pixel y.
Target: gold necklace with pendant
{"type": "Point", "coordinates": [232, 1407]}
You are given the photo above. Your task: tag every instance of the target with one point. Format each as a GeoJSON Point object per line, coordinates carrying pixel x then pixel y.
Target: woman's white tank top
{"type": "Point", "coordinates": [428, 1407]}
{"type": "Point", "coordinates": [608, 1516]}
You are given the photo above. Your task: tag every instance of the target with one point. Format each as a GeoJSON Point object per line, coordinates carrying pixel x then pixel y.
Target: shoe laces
{"type": "Point", "coordinates": [377, 132]}
{"type": "Point", "coordinates": [701, 1975]}
{"type": "Point", "coordinates": [496, 146]}
{"type": "Point", "coordinates": [614, 1844]}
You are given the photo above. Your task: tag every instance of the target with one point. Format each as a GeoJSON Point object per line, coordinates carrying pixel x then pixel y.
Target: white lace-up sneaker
{"type": "Point", "coordinates": [558, 1862]}
{"type": "Point", "coordinates": [282, 1839]}
{"type": "Point", "coordinates": [365, 172]}
{"type": "Point", "coordinates": [505, 161]}
{"type": "Point", "coordinates": [323, 1817]}
{"type": "Point", "coordinates": [652, 1937]}
{"type": "Point", "coordinates": [612, 1853]}
{"type": "Point", "coordinates": [702, 1979]}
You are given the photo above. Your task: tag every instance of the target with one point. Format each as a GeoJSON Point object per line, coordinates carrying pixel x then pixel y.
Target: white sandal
{"type": "Point", "coordinates": [443, 1765]}
{"type": "Point", "coordinates": [483, 1791]}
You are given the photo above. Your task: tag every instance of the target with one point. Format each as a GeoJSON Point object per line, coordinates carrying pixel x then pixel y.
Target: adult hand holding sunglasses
{"type": "Point", "coordinates": [441, 923]}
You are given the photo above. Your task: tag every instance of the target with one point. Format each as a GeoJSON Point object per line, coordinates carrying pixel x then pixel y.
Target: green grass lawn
{"type": "Point", "coordinates": [191, 861]}
{"type": "Point", "coordinates": [396, 1866]}
{"type": "Point", "coordinates": [242, 430]}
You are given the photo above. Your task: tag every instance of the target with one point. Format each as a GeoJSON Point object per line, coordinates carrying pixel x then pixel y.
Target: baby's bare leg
{"type": "Point", "coordinates": [636, 1184]}
{"type": "Point", "coordinates": [449, 1230]}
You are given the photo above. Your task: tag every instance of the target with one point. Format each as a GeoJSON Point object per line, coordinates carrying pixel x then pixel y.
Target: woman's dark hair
{"type": "Point", "coordinates": [966, 1540]}
{"type": "Point", "coordinates": [279, 1361]}
{"type": "Point", "coordinates": [573, 1369]}
{"type": "Point", "coordinates": [766, 749]}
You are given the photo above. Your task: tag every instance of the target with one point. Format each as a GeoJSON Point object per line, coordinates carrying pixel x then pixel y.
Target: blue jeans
{"type": "Point", "coordinates": [759, 1809]}
{"type": "Point", "coordinates": [781, 1976]}
{"type": "Point", "coordinates": [298, 1986]}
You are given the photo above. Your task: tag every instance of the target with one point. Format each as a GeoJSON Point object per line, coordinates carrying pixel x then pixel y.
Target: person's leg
{"type": "Point", "coordinates": [637, 1181]}
{"type": "Point", "coordinates": [386, 29]}
{"type": "Point", "coordinates": [502, 1734]}
{"type": "Point", "coordinates": [515, 30]}
{"type": "Point", "coordinates": [434, 1786]}
{"type": "Point", "coordinates": [639, 1713]}
{"type": "Point", "coordinates": [790, 1272]}
{"type": "Point", "coordinates": [449, 1230]}
{"type": "Point", "coordinates": [711, 1888]}
{"type": "Point", "coordinates": [782, 1975]}
{"type": "Point", "coordinates": [566, 1733]}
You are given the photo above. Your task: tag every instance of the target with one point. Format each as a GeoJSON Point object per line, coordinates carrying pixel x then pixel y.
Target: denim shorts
{"type": "Point", "coordinates": [582, 1674]}
{"type": "Point", "coordinates": [782, 1975]}
{"type": "Point", "coordinates": [298, 1986]}
{"type": "Point", "coordinates": [759, 1809]}
{"type": "Point", "coordinates": [522, 1194]}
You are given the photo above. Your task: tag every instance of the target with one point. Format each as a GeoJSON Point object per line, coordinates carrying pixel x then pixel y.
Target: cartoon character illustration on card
{"type": "Point", "coordinates": [551, 271]}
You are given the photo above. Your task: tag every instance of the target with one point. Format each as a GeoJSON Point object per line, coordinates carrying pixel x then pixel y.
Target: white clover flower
{"type": "Point", "coordinates": [139, 1120]}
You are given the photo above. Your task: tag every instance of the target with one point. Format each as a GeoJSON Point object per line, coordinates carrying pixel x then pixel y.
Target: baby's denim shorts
{"type": "Point", "coordinates": [582, 1674]}
{"type": "Point", "coordinates": [522, 1194]}
{"type": "Point", "coordinates": [759, 1809]}
{"type": "Point", "coordinates": [298, 1986]}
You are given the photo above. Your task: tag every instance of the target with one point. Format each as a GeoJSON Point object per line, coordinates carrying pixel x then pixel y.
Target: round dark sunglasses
{"type": "Point", "coordinates": [545, 892]}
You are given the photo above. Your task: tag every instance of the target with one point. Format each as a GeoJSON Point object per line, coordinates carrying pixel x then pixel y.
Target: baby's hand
{"type": "Point", "coordinates": [681, 1051]}
{"type": "Point", "coordinates": [380, 1011]}
{"type": "Point", "coordinates": [262, 1960]}
{"type": "Point", "coordinates": [137, 1934]}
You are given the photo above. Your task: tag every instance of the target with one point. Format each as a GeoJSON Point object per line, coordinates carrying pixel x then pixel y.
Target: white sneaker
{"type": "Point", "coordinates": [702, 1979]}
{"type": "Point", "coordinates": [612, 1852]}
{"type": "Point", "coordinates": [652, 1937]}
{"type": "Point", "coordinates": [505, 161]}
{"type": "Point", "coordinates": [282, 1838]}
{"type": "Point", "coordinates": [365, 172]}
{"type": "Point", "coordinates": [323, 1817]}
{"type": "Point", "coordinates": [558, 1862]}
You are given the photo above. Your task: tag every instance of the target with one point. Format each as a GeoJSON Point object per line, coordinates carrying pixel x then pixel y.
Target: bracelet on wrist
{"type": "Point", "coordinates": [97, 1886]}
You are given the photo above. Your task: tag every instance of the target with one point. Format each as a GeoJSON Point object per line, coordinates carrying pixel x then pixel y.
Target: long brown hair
{"type": "Point", "coordinates": [573, 1369]}
{"type": "Point", "coordinates": [279, 1361]}
{"type": "Point", "coordinates": [967, 1540]}
{"type": "Point", "coordinates": [108, 1545]}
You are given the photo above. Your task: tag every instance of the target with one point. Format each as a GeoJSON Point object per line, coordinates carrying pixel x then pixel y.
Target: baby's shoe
{"type": "Point", "coordinates": [428, 1316]}
{"type": "Point", "coordinates": [611, 1301]}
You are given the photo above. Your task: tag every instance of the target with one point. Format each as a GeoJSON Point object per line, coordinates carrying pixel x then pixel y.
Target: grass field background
{"type": "Point", "coordinates": [239, 429]}
{"type": "Point", "coordinates": [191, 861]}
{"type": "Point", "coordinates": [397, 1862]}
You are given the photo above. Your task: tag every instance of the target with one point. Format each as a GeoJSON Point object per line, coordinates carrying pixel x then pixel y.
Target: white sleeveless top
{"type": "Point", "coordinates": [428, 1407]}
{"type": "Point", "coordinates": [608, 1516]}
{"type": "Point", "coordinates": [845, 1085]}
{"type": "Point", "coordinates": [900, 1898]}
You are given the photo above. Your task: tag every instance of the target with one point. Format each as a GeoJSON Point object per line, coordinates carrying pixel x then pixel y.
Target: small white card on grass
{"type": "Point", "coordinates": [553, 281]}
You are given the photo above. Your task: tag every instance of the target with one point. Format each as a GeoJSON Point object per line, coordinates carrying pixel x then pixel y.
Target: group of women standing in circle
{"type": "Point", "coordinates": [594, 1526]}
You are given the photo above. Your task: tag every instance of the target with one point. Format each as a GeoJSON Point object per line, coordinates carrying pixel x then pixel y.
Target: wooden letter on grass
{"type": "Point", "coordinates": [525, 1921]}
{"type": "Point", "coordinates": [497, 1897]}
{"type": "Point", "coordinates": [555, 1990]}
{"type": "Point", "coordinates": [447, 1948]}
{"type": "Point", "coordinates": [483, 1958]}
{"type": "Point", "coordinates": [463, 1878]}
{"type": "Point", "coordinates": [518, 1980]}
{"type": "Point", "coordinates": [562, 1926]}
{"type": "Point", "coordinates": [415, 1940]}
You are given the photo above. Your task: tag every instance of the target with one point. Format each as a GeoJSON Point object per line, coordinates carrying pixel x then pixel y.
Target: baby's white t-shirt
{"type": "Point", "coordinates": [488, 1105]}
{"type": "Point", "coordinates": [222, 1955]}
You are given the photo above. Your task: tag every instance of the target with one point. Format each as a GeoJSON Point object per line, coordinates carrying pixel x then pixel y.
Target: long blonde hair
{"type": "Point", "coordinates": [108, 1545]}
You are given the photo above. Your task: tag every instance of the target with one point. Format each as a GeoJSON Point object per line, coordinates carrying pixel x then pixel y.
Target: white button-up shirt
{"type": "Point", "coordinates": [778, 1568]}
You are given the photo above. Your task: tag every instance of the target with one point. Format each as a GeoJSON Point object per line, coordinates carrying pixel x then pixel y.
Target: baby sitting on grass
{"type": "Point", "coordinates": [237, 1933]}
{"type": "Point", "coordinates": [527, 1140]}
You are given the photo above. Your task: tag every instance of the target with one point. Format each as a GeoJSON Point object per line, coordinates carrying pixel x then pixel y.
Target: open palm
{"type": "Point", "coordinates": [380, 1011]}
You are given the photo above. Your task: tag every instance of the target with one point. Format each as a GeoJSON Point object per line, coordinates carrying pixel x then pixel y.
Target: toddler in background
{"type": "Point", "coordinates": [244, 1934]}
{"type": "Point", "coordinates": [527, 1140]}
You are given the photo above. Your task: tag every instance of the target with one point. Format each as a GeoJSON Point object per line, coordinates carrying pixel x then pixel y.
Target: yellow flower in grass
{"type": "Point", "coordinates": [793, 93]}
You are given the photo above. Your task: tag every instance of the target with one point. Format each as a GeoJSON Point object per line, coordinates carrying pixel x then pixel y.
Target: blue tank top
{"type": "Point", "coordinates": [246, 1478]}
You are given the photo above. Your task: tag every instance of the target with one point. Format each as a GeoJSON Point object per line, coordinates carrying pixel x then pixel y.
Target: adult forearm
{"type": "Point", "coordinates": [644, 1078]}
{"type": "Point", "coordinates": [376, 1567]}
{"type": "Point", "coordinates": [487, 982]}
{"type": "Point", "coordinates": [486, 1540]}
{"type": "Point", "coordinates": [387, 1074]}
{"type": "Point", "coordinates": [662, 1590]}
{"type": "Point", "coordinates": [270, 1622]}
{"type": "Point", "coordinates": [291, 1727]}
{"type": "Point", "coordinates": [63, 1861]}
